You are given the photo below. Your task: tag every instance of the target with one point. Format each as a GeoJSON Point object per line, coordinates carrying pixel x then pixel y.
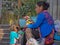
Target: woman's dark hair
{"type": "Point", "coordinates": [44, 4]}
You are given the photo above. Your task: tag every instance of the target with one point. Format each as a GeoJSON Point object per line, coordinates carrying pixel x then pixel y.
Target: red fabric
{"type": "Point", "coordinates": [49, 39]}
{"type": "Point", "coordinates": [15, 44]}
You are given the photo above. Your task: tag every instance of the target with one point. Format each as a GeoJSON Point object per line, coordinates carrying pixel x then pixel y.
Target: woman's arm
{"type": "Point", "coordinates": [38, 22]}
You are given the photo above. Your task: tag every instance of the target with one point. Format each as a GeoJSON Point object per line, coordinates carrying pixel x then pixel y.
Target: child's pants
{"type": "Point", "coordinates": [13, 44]}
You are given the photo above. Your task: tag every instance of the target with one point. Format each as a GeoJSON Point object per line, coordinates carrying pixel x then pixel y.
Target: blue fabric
{"type": "Point", "coordinates": [22, 22]}
{"type": "Point", "coordinates": [56, 36]}
{"type": "Point", "coordinates": [13, 36]}
{"type": "Point", "coordinates": [45, 23]}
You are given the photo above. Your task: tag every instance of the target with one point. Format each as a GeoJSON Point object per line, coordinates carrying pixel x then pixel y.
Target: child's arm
{"type": "Point", "coordinates": [17, 36]}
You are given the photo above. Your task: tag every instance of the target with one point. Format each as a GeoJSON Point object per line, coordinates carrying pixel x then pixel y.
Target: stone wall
{"type": "Point", "coordinates": [0, 7]}
{"type": "Point", "coordinates": [54, 8]}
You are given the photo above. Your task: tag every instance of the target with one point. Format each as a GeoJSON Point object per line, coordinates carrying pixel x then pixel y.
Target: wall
{"type": "Point", "coordinates": [54, 8]}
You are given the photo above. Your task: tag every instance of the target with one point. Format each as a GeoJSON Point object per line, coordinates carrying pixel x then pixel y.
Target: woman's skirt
{"type": "Point", "coordinates": [49, 40]}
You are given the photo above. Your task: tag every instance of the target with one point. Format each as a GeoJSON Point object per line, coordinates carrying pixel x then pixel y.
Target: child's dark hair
{"type": "Point", "coordinates": [44, 4]}
{"type": "Point", "coordinates": [17, 28]}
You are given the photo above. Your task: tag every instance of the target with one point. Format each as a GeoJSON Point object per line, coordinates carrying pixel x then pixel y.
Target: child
{"type": "Point", "coordinates": [30, 39]}
{"type": "Point", "coordinates": [13, 36]}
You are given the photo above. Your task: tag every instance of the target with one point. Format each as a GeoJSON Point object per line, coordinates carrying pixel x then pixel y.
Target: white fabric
{"type": "Point", "coordinates": [32, 41]}
{"type": "Point", "coordinates": [15, 40]}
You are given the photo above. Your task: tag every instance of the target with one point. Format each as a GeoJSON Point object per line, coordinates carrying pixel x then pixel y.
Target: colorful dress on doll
{"type": "Point", "coordinates": [32, 41]}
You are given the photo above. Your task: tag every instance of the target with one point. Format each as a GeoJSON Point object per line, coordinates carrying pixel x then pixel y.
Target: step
{"type": "Point", "coordinates": [5, 35]}
{"type": "Point", "coordinates": [7, 44]}
{"type": "Point", "coordinates": [4, 26]}
{"type": "Point", "coordinates": [5, 31]}
{"type": "Point", "coordinates": [4, 40]}
{"type": "Point", "coordinates": [4, 44]}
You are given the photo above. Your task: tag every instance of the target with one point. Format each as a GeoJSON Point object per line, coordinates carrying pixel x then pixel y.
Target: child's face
{"type": "Point", "coordinates": [38, 9]}
{"type": "Point", "coordinates": [14, 28]}
{"type": "Point", "coordinates": [28, 33]}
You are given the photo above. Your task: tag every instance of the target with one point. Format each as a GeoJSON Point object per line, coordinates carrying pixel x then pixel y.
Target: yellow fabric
{"type": "Point", "coordinates": [28, 21]}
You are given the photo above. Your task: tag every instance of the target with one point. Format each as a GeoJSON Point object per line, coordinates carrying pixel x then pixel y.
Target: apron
{"type": "Point", "coordinates": [49, 40]}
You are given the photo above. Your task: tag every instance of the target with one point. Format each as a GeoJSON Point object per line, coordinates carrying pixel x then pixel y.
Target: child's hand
{"type": "Point", "coordinates": [18, 40]}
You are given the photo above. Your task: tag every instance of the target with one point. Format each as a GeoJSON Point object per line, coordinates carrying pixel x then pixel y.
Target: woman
{"type": "Point", "coordinates": [45, 22]}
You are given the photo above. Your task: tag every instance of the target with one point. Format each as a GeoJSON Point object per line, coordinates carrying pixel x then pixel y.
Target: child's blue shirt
{"type": "Point", "coordinates": [13, 37]}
